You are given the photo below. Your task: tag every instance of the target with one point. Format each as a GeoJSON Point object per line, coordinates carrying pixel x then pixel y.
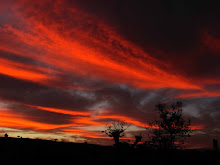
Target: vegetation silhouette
{"type": "Point", "coordinates": [6, 135]}
{"type": "Point", "coordinates": [138, 139]}
{"type": "Point", "coordinates": [116, 131]}
{"type": "Point", "coordinates": [172, 129]}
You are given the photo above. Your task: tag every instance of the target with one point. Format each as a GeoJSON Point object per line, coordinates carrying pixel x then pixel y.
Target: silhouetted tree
{"type": "Point", "coordinates": [116, 130]}
{"type": "Point", "coordinates": [171, 131]}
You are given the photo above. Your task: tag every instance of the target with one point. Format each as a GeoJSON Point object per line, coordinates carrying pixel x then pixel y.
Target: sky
{"type": "Point", "coordinates": [68, 68]}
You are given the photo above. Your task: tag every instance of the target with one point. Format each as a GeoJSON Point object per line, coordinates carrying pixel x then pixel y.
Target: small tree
{"type": "Point", "coordinates": [116, 130]}
{"type": "Point", "coordinates": [171, 131]}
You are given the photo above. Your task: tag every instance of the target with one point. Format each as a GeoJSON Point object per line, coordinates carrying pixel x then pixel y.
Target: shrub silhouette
{"type": "Point", "coordinates": [6, 135]}
{"type": "Point", "coordinates": [138, 139]}
{"type": "Point", "coordinates": [171, 131]}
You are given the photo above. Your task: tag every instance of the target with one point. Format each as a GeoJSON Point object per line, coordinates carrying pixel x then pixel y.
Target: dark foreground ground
{"type": "Point", "coordinates": [36, 151]}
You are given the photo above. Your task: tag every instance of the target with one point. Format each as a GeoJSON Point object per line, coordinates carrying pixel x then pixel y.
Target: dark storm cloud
{"type": "Point", "coordinates": [31, 93]}
{"type": "Point", "coordinates": [137, 103]}
{"type": "Point", "coordinates": [213, 87]}
{"type": "Point", "coordinates": [204, 110]}
{"type": "Point", "coordinates": [87, 84]}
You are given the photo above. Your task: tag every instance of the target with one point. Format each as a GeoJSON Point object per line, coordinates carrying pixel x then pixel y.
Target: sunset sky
{"type": "Point", "coordinates": [68, 68]}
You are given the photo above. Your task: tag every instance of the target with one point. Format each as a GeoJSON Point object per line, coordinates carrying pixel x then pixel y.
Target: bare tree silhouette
{"type": "Point", "coordinates": [171, 131]}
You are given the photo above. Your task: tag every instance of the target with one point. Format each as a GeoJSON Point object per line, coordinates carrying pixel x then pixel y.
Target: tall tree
{"type": "Point", "coordinates": [172, 129]}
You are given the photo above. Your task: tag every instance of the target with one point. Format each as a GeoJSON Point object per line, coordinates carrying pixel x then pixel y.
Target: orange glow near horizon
{"type": "Point", "coordinates": [91, 134]}
{"type": "Point", "coordinates": [85, 133]}
{"type": "Point", "coordinates": [81, 119]}
{"type": "Point", "coordinates": [16, 121]}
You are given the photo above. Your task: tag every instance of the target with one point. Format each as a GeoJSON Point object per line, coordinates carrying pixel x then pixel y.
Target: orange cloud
{"type": "Point", "coordinates": [17, 121]}
{"type": "Point", "coordinates": [63, 111]}
{"type": "Point", "coordinates": [197, 127]}
{"type": "Point", "coordinates": [88, 121]}
{"type": "Point", "coordinates": [22, 71]}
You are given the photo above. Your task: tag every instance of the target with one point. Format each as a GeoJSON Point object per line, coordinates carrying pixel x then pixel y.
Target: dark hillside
{"type": "Point", "coordinates": [37, 150]}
